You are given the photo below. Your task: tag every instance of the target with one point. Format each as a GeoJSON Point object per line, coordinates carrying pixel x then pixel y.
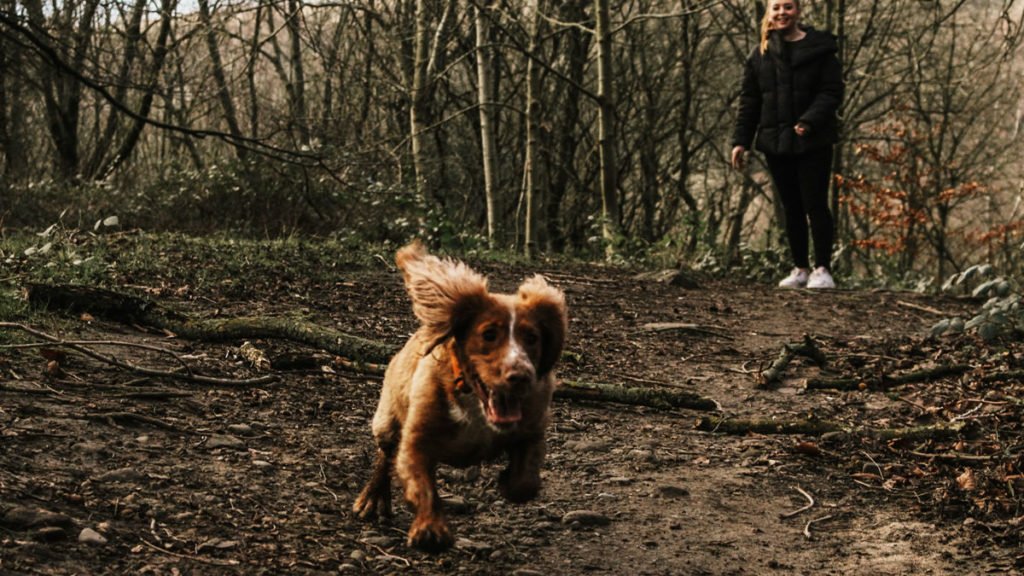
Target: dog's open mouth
{"type": "Point", "coordinates": [503, 409]}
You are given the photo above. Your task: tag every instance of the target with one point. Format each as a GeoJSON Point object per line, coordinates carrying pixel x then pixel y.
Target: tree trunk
{"type": "Point", "coordinates": [531, 154]}
{"type": "Point", "coordinates": [297, 94]}
{"type": "Point", "coordinates": [485, 101]}
{"type": "Point", "coordinates": [131, 138]}
{"type": "Point", "coordinates": [221, 81]}
{"type": "Point", "coordinates": [607, 135]}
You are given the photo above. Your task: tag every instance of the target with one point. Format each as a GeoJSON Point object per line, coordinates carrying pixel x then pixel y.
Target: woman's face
{"type": "Point", "coordinates": [784, 14]}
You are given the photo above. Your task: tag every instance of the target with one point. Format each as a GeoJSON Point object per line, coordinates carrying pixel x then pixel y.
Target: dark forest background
{"type": "Point", "coordinates": [595, 128]}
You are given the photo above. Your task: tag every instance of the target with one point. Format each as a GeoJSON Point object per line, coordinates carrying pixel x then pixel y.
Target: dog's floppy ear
{"type": "Point", "coordinates": [546, 306]}
{"type": "Point", "coordinates": [446, 295]}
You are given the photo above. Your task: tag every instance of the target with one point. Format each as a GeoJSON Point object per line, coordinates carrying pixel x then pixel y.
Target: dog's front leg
{"type": "Point", "coordinates": [520, 481]}
{"type": "Point", "coordinates": [429, 530]}
{"type": "Point", "coordinates": [375, 499]}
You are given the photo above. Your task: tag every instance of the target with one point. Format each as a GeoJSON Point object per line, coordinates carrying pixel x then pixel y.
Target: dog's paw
{"type": "Point", "coordinates": [370, 506]}
{"type": "Point", "coordinates": [430, 535]}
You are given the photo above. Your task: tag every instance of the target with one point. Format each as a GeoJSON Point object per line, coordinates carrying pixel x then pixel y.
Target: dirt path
{"type": "Point", "coordinates": [259, 480]}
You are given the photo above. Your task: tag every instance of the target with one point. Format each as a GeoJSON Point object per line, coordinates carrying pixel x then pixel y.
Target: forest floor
{"type": "Point", "coordinates": [104, 471]}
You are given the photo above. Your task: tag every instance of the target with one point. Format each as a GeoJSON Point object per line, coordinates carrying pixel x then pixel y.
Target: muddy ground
{"type": "Point", "coordinates": [171, 477]}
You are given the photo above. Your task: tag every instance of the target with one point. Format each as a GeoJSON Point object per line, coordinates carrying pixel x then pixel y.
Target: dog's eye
{"type": "Point", "coordinates": [529, 337]}
{"type": "Point", "coordinates": [490, 334]}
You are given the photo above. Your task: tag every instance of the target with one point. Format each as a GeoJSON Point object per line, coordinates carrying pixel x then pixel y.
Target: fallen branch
{"type": "Point", "coordinates": [887, 381]}
{"type": "Point", "coordinates": [685, 327]}
{"type": "Point", "coordinates": [129, 309]}
{"type": "Point", "coordinates": [773, 374]}
{"type": "Point", "coordinates": [187, 376]}
{"type": "Point", "coordinates": [825, 428]}
{"type": "Point", "coordinates": [663, 399]}
{"type": "Point", "coordinates": [740, 427]}
{"type": "Point", "coordinates": [128, 418]}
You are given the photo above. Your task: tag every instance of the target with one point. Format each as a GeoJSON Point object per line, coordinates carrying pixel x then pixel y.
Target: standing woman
{"type": "Point", "coordinates": [790, 97]}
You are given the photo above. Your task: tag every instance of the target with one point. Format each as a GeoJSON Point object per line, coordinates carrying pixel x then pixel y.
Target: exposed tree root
{"type": "Point", "coordinates": [129, 309]}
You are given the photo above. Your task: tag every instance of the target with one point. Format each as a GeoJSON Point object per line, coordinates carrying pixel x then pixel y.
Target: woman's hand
{"type": "Point", "coordinates": [739, 154]}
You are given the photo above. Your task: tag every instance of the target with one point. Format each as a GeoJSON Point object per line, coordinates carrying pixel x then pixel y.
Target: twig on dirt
{"type": "Point", "coordinates": [921, 308]}
{"type": "Point", "coordinates": [807, 528]}
{"type": "Point", "coordinates": [213, 561]}
{"type": "Point", "coordinates": [887, 381]}
{"type": "Point", "coordinates": [877, 467]}
{"type": "Point", "coordinates": [658, 327]}
{"type": "Point", "coordinates": [195, 378]}
{"type": "Point", "coordinates": [967, 415]}
{"type": "Point", "coordinates": [27, 389]}
{"type": "Point", "coordinates": [774, 372]}
{"type": "Point", "coordinates": [810, 504]}
{"type": "Point", "coordinates": [956, 456]}
{"type": "Point", "coordinates": [388, 556]}
{"type": "Point", "coordinates": [128, 418]}
{"type": "Point", "coordinates": [73, 343]}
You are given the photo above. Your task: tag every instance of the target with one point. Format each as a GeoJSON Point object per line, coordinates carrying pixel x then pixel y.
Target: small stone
{"type": "Point", "coordinates": [586, 518]}
{"type": "Point", "coordinates": [261, 464]}
{"type": "Point", "coordinates": [456, 504]}
{"type": "Point", "coordinates": [527, 572]}
{"type": "Point", "coordinates": [472, 545]}
{"type": "Point", "coordinates": [382, 541]}
{"type": "Point", "coordinates": [587, 446]}
{"type": "Point", "coordinates": [358, 556]}
{"type": "Point", "coordinates": [23, 517]}
{"type": "Point", "coordinates": [225, 441]}
{"type": "Point", "coordinates": [90, 536]}
{"type": "Point", "coordinates": [669, 491]}
{"type": "Point", "coordinates": [347, 568]}
{"type": "Point", "coordinates": [642, 455]}
{"type": "Point", "coordinates": [50, 534]}
{"type": "Point", "coordinates": [119, 475]}
{"type": "Point", "coordinates": [240, 429]}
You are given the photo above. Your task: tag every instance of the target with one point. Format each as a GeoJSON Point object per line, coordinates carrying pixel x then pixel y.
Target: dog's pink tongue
{"type": "Point", "coordinates": [503, 410]}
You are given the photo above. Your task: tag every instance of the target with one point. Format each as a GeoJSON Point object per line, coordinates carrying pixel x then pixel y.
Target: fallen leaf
{"type": "Point", "coordinates": [967, 481]}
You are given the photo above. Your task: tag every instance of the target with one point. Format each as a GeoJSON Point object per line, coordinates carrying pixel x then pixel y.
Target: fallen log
{"type": "Point", "coordinates": [654, 398]}
{"type": "Point", "coordinates": [130, 309]}
{"type": "Point", "coordinates": [887, 381]}
{"type": "Point", "coordinates": [826, 429]}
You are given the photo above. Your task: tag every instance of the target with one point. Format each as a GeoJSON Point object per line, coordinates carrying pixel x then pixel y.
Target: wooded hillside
{"type": "Point", "coordinates": [537, 125]}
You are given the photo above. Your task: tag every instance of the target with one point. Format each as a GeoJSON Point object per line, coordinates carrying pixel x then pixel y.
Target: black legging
{"type": "Point", "coordinates": [802, 182]}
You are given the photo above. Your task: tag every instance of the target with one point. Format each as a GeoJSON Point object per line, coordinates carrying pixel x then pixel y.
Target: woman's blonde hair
{"type": "Point", "coordinates": [766, 24]}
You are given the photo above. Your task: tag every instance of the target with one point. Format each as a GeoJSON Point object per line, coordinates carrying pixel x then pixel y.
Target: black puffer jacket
{"type": "Point", "coordinates": [792, 82]}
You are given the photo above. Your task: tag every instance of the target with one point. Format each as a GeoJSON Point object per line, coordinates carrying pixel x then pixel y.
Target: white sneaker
{"type": "Point", "coordinates": [796, 279]}
{"type": "Point", "coordinates": [820, 278]}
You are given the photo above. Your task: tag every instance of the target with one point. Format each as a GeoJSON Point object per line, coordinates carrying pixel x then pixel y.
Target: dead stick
{"type": "Point", "coordinates": [142, 370]}
{"type": "Point", "coordinates": [213, 561]}
{"type": "Point", "coordinates": [806, 348]}
{"type": "Point", "coordinates": [129, 417]}
{"type": "Point", "coordinates": [664, 399]}
{"type": "Point", "coordinates": [810, 504]}
{"type": "Point", "coordinates": [887, 381]}
{"type": "Point", "coordinates": [70, 343]}
{"type": "Point", "coordinates": [807, 528]}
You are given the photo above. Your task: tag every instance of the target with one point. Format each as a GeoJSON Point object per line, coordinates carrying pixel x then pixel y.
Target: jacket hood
{"type": "Point", "coordinates": [816, 44]}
